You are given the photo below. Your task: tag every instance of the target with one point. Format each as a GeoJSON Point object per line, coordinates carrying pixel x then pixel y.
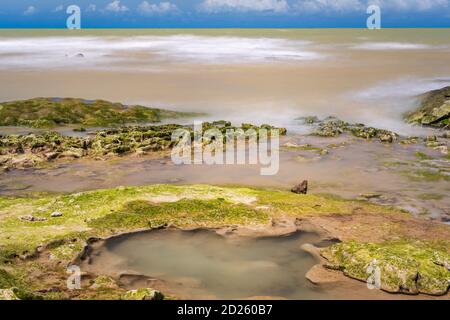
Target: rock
{"type": "Point", "coordinates": [312, 250]}
{"type": "Point", "coordinates": [301, 188]}
{"type": "Point", "coordinates": [400, 270]}
{"type": "Point", "coordinates": [370, 195]}
{"type": "Point", "coordinates": [79, 55]}
{"type": "Point", "coordinates": [319, 275]}
{"type": "Point", "coordinates": [442, 149]}
{"type": "Point", "coordinates": [56, 214]}
{"type": "Point", "coordinates": [446, 135]}
{"type": "Point", "coordinates": [333, 127]}
{"type": "Point", "coordinates": [52, 155]}
{"type": "Point", "coordinates": [434, 109]}
{"type": "Point", "coordinates": [309, 120]}
{"type": "Point", "coordinates": [387, 138]}
{"type": "Point", "coordinates": [434, 144]}
{"type": "Point", "coordinates": [290, 145]}
{"type": "Point", "coordinates": [51, 290]}
{"type": "Point", "coordinates": [143, 294]}
{"type": "Point", "coordinates": [8, 294]}
{"type": "Point", "coordinates": [31, 218]}
{"type": "Point", "coordinates": [76, 154]}
{"type": "Point", "coordinates": [410, 140]}
{"type": "Point", "coordinates": [104, 282]}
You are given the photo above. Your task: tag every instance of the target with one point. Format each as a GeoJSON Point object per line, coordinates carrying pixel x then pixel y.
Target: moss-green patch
{"type": "Point", "coordinates": [426, 175]}
{"type": "Point", "coordinates": [15, 280]}
{"type": "Point", "coordinates": [127, 208]}
{"type": "Point", "coordinates": [422, 156]}
{"type": "Point", "coordinates": [143, 294]}
{"type": "Point", "coordinates": [51, 112]}
{"type": "Point", "coordinates": [143, 214]}
{"type": "Point", "coordinates": [430, 196]}
{"type": "Point", "coordinates": [410, 266]}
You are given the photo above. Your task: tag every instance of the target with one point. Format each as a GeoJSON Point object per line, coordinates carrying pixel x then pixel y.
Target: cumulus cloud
{"type": "Point", "coordinates": [156, 8]}
{"type": "Point", "coordinates": [30, 10]}
{"type": "Point", "coordinates": [214, 6]}
{"type": "Point", "coordinates": [116, 6]}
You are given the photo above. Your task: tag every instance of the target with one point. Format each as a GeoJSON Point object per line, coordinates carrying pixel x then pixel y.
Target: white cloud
{"type": "Point", "coordinates": [312, 6]}
{"type": "Point", "coordinates": [116, 6]}
{"type": "Point", "coordinates": [161, 8]}
{"type": "Point", "coordinates": [342, 6]}
{"type": "Point", "coordinates": [91, 8]}
{"type": "Point", "coordinates": [30, 10]}
{"type": "Point", "coordinates": [411, 5]}
{"type": "Point", "coordinates": [214, 6]}
{"type": "Point", "coordinates": [59, 8]}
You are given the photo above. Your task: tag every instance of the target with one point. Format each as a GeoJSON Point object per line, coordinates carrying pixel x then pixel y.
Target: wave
{"type": "Point", "coordinates": [106, 52]}
{"type": "Point", "coordinates": [385, 103]}
{"type": "Point", "coordinates": [382, 46]}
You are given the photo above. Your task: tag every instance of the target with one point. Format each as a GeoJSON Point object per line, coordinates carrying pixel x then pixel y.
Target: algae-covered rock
{"type": "Point", "coordinates": [404, 266]}
{"type": "Point", "coordinates": [103, 283]}
{"type": "Point", "coordinates": [51, 112]}
{"type": "Point", "coordinates": [434, 109]}
{"type": "Point", "coordinates": [31, 150]}
{"type": "Point", "coordinates": [8, 294]}
{"type": "Point", "coordinates": [143, 294]}
{"type": "Point", "coordinates": [332, 127]}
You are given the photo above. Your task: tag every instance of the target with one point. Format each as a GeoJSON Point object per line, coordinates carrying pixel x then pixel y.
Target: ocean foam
{"type": "Point", "coordinates": [383, 46]}
{"type": "Point", "coordinates": [106, 52]}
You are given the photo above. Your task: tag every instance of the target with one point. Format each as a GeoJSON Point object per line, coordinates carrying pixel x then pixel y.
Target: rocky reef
{"type": "Point", "coordinates": [53, 112]}
{"type": "Point", "coordinates": [434, 109]}
{"type": "Point", "coordinates": [332, 127]}
{"type": "Point", "coordinates": [25, 151]}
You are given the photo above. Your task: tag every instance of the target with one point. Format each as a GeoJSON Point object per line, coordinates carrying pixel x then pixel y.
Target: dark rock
{"type": "Point", "coordinates": [31, 218]}
{"type": "Point", "coordinates": [301, 188]}
{"type": "Point", "coordinates": [434, 109]}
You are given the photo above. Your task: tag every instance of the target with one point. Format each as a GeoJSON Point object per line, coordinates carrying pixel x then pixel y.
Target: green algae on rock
{"type": "Point", "coordinates": [434, 109]}
{"type": "Point", "coordinates": [105, 213]}
{"type": "Point", "coordinates": [143, 294]}
{"type": "Point", "coordinates": [26, 151]}
{"type": "Point", "coordinates": [52, 112]}
{"type": "Point", "coordinates": [332, 127]}
{"type": "Point", "coordinates": [8, 294]}
{"type": "Point", "coordinates": [406, 266]}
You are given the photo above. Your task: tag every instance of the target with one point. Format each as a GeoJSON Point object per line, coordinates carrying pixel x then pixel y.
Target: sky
{"type": "Point", "coordinates": [224, 13]}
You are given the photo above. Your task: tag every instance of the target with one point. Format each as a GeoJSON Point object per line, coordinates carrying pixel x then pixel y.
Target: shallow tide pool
{"type": "Point", "coordinates": [204, 265]}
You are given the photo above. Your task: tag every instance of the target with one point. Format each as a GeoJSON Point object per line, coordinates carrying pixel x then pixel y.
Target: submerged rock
{"type": "Point", "coordinates": [434, 109]}
{"type": "Point", "coordinates": [332, 127]}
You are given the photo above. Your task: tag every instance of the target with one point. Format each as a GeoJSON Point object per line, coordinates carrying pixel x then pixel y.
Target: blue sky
{"type": "Point", "coordinates": [223, 13]}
